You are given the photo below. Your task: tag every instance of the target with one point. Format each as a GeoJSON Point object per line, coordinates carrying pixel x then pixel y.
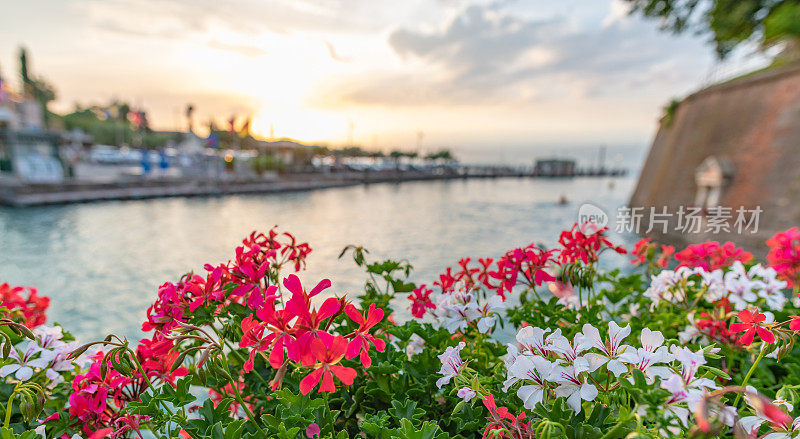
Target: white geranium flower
{"type": "Point", "coordinates": [690, 361]}
{"type": "Point", "coordinates": [24, 363]}
{"type": "Point", "coordinates": [610, 350]}
{"type": "Point", "coordinates": [572, 387]}
{"type": "Point", "coordinates": [669, 285]}
{"type": "Point", "coordinates": [466, 393]}
{"type": "Point", "coordinates": [49, 337]}
{"type": "Point", "coordinates": [451, 364]}
{"type": "Point", "coordinates": [488, 313]}
{"type": "Point", "coordinates": [569, 351]}
{"type": "Point", "coordinates": [531, 339]}
{"type": "Point", "coordinates": [534, 371]}
{"type": "Point", "coordinates": [651, 353]}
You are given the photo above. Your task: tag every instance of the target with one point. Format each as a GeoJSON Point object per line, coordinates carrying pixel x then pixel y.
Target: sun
{"type": "Point", "coordinates": [304, 124]}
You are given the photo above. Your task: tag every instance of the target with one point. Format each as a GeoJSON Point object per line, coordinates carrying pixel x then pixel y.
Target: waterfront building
{"type": "Point", "coordinates": [554, 168]}
{"type": "Point", "coordinates": [28, 152]}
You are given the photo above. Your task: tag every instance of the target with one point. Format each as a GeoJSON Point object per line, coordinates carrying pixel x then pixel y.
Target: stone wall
{"type": "Point", "coordinates": [754, 122]}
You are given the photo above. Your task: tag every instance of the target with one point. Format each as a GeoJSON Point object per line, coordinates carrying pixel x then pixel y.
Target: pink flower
{"type": "Point", "coordinates": [526, 265]}
{"type": "Point", "coordinates": [312, 430]}
{"type": "Point", "coordinates": [309, 319]}
{"type": "Point", "coordinates": [466, 393]}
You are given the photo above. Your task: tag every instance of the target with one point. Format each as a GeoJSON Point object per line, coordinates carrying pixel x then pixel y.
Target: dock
{"type": "Point", "coordinates": [21, 195]}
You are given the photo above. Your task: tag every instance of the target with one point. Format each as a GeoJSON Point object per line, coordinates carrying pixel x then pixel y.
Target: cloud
{"type": "Point", "coordinates": [478, 42]}
{"type": "Point", "coordinates": [485, 54]}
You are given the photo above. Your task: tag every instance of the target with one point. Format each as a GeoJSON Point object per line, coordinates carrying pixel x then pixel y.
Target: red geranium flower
{"type": "Point", "coordinates": [362, 338]}
{"type": "Point", "coordinates": [309, 320]}
{"type": "Point", "coordinates": [420, 301]}
{"type": "Point", "coordinates": [328, 352]}
{"type": "Point", "coordinates": [752, 325]}
{"type": "Point", "coordinates": [784, 255]}
{"type": "Point", "coordinates": [711, 255]}
{"type": "Point", "coordinates": [501, 421]}
{"type": "Point", "coordinates": [522, 264]}
{"type": "Point", "coordinates": [31, 308]}
{"type": "Point", "coordinates": [586, 247]}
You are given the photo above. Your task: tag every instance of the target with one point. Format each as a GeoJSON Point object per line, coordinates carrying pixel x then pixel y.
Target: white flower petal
{"type": "Point", "coordinates": [8, 369]}
{"type": "Point", "coordinates": [530, 395]}
{"type": "Point", "coordinates": [588, 392]}
{"type": "Point", "coordinates": [595, 361]}
{"type": "Point", "coordinates": [24, 373]}
{"type": "Point", "coordinates": [616, 367]}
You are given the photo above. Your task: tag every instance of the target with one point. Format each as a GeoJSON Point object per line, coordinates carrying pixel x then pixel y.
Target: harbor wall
{"type": "Point", "coordinates": [753, 123]}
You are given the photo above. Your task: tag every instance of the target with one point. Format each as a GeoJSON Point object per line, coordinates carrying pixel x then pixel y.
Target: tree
{"type": "Point", "coordinates": [37, 88]}
{"type": "Point", "coordinates": [443, 154]}
{"type": "Point", "coordinates": [729, 22]}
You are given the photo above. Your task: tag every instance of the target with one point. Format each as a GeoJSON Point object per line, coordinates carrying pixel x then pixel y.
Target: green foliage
{"type": "Point", "coordinates": [114, 130]}
{"type": "Point", "coordinates": [729, 22]}
{"type": "Point", "coordinates": [669, 112]}
{"type": "Point", "coordinates": [265, 163]}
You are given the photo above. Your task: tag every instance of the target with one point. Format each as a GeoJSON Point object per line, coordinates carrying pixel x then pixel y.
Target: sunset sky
{"type": "Point", "coordinates": [469, 73]}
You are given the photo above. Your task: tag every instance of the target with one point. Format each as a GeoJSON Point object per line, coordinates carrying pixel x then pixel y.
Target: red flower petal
{"type": "Point", "coordinates": [747, 338]}
{"type": "Point", "coordinates": [345, 374]}
{"type": "Point", "coordinates": [746, 316]}
{"type": "Point", "coordinates": [311, 380]}
{"type": "Point", "coordinates": [765, 335]}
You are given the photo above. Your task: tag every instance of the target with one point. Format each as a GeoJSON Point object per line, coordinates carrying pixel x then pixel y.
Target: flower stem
{"type": "Point", "coordinates": [9, 405]}
{"type": "Point", "coordinates": [237, 355]}
{"type": "Point", "coordinates": [240, 400]}
{"type": "Point", "coordinates": [750, 373]}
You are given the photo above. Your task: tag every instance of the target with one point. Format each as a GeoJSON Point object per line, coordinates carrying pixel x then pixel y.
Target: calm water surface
{"type": "Point", "coordinates": [101, 263]}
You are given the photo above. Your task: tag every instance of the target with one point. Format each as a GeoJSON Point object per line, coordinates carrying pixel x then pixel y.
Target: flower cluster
{"type": "Point", "coordinates": [545, 361]}
{"type": "Point", "coordinates": [737, 285]}
{"type": "Point", "coordinates": [281, 360]}
{"type": "Point", "coordinates": [523, 265]}
{"type": "Point", "coordinates": [100, 395]}
{"type": "Point", "coordinates": [711, 255]}
{"type": "Point", "coordinates": [256, 264]}
{"type": "Point", "coordinates": [97, 399]}
{"type": "Point", "coordinates": [673, 286]}
{"type": "Point", "coordinates": [585, 243]}
{"type": "Point", "coordinates": [307, 335]}
{"type": "Point", "coordinates": [470, 292]}
{"type": "Point", "coordinates": [784, 255]}
{"type": "Point", "coordinates": [31, 308]}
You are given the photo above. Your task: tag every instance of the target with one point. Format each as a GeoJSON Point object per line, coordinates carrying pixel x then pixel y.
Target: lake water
{"type": "Point", "coordinates": [101, 263]}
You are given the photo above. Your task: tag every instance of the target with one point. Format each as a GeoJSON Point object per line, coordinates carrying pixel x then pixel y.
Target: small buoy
{"type": "Point", "coordinates": [562, 200]}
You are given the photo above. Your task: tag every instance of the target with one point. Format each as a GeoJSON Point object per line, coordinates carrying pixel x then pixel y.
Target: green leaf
{"type": "Point", "coordinates": [407, 430]}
